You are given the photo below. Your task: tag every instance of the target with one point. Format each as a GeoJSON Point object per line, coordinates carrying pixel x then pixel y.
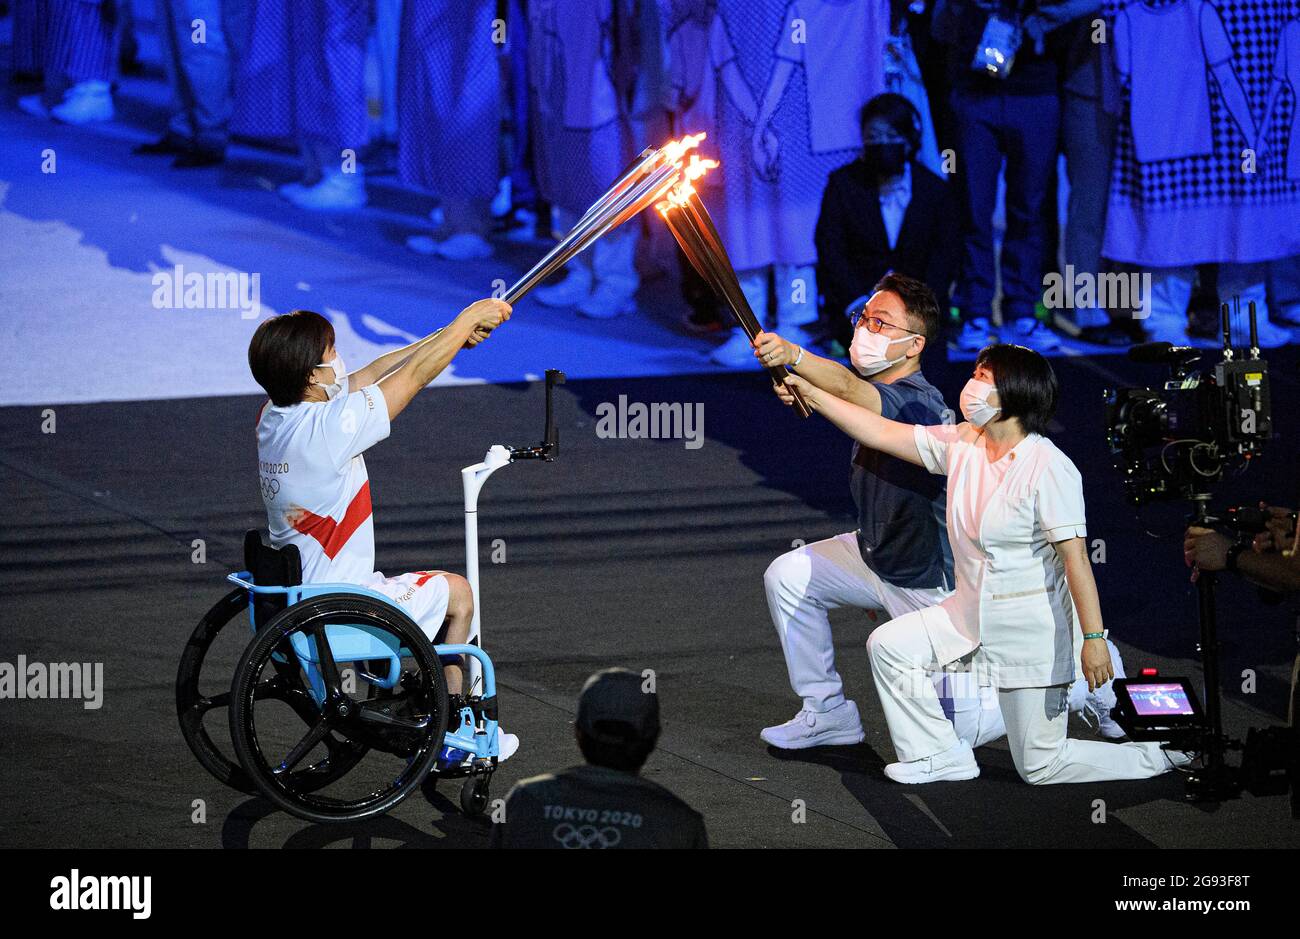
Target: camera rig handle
{"type": "Point", "coordinates": [549, 448]}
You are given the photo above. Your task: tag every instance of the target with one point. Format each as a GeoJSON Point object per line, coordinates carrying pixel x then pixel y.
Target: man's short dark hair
{"type": "Point", "coordinates": [918, 300]}
{"type": "Point", "coordinates": [620, 747]}
{"type": "Point", "coordinates": [284, 351]}
{"type": "Point", "coordinates": [1026, 384]}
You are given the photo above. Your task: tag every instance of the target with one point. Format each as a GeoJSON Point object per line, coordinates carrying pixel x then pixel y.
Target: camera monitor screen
{"type": "Point", "coordinates": [1160, 699]}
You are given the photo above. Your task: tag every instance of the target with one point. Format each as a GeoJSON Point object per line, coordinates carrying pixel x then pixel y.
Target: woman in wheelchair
{"type": "Point", "coordinates": [311, 435]}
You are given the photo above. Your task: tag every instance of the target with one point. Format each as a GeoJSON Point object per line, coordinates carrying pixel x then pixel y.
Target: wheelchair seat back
{"type": "Point", "coordinates": [270, 567]}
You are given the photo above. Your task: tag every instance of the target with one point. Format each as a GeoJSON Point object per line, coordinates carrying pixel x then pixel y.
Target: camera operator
{"type": "Point", "coordinates": [1269, 559]}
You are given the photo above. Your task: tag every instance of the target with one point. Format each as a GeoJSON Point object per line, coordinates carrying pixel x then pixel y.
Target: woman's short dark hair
{"type": "Point", "coordinates": [1026, 384]}
{"type": "Point", "coordinates": [918, 300]}
{"type": "Point", "coordinates": [899, 113]}
{"type": "Point", "coordinates": [284, 351]}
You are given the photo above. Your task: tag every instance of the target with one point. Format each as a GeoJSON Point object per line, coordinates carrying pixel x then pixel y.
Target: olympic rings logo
{"type": "Point", "coordinates": [587, 836]}
{"type": "Point", "coordinates": [270, 487]}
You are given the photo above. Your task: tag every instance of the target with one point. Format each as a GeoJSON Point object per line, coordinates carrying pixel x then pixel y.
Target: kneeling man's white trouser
{"type": "Point", "coordinates": [804, 584]}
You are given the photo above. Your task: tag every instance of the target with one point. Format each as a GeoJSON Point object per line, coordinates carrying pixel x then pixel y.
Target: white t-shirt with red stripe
{"type": "Point", "coordinates": [314, 481]}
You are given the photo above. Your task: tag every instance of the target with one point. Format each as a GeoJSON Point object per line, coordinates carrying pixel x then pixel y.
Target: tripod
{"type": "Point", "coordinates": [1215, 780]}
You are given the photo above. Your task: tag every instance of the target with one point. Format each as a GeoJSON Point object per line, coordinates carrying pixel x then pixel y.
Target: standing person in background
{"type": "Point", "coordinates": [449, 116]}
{"type": "Point", "coordinates": [78, 60]}
{"type": "Point", "coordinates": [304, 79]}
{"type": "Point", "coordinates": [883, 212]}
{"type": "Point", "coordinates": [200, 61]}
{"type": "Point", "coordinates": [786, 79]}
{"type": "Point", "coordinates": [583, 60]}
{"type": "Point", "coordinates": [1007, 108]}
{"type": "Point", "coordinates": [30, 27]}
{"type": "Point", "coordinates": [1089, 117]}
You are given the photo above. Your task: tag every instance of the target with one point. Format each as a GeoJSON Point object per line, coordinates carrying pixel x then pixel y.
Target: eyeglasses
{"type": "Point", "coordinates": [875, 324]}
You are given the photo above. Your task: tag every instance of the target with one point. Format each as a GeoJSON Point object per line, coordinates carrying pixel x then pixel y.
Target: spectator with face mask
{"type": "Point", "coordinates": [883, 212]}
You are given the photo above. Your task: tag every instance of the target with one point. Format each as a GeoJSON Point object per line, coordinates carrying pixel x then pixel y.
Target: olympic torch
{"type": "Point", "coordinates": [691, 225]}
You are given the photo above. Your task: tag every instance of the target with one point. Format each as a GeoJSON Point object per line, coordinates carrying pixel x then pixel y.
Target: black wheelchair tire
{"type": "Point", "coordinates": [348, 608]}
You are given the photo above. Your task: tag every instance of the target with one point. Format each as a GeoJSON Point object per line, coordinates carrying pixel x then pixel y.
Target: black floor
{"type": "Point", "coordinates": [633, 552]}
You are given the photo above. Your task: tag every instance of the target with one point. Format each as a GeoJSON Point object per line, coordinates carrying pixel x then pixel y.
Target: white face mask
{"type": "Point", "coordinates": [975, 405]}
{"type": "Point", "coordinates": [340, 383]}
{"type": "Point", "coordinates": [869, 351]}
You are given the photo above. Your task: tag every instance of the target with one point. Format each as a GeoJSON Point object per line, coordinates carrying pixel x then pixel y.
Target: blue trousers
{"type": "Point", "coordinates": [1022, 130]}
{"type": "Point", "coordinates": [202, 73]}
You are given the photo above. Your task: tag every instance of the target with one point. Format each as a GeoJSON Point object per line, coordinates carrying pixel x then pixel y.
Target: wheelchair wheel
{"type": "Point", "coordinates": [398, 731]}
{"type": "Point", "coordinates": [474, 794]}
{"type": "Point", "coordinates": [193, 705]}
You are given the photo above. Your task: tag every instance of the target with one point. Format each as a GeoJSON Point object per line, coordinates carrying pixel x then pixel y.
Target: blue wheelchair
{"type": "Point", "coordinates": [338, 709]}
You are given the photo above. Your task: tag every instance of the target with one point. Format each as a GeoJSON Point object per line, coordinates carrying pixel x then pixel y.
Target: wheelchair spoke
{"type": "Point", "coordinates": [304, 746]}
{"type": "Point", "coordinates": [329, 669]}
{"type": "Point", "coordinates": [380, 712]}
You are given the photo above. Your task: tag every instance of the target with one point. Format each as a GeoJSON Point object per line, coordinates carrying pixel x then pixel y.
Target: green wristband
{"type": "Point", "coordinates": [1094, 635]}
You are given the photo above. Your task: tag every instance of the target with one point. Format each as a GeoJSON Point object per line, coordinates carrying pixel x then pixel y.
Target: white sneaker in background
{"type": "Point", "coordinates": [502, 200]}
{"type": "Point", "coordinates": [1168, 328]}
{"type": "Point", "coordinates": [464, 246]}
{"type": "Point", "coordinates": [840, 726]}
{"type": "Point", "coordinates": [34, 105]}
{"type": "Point", "coordinates": [1271, 336]}
{"type": "Point", "coordinates": [1094, 706]}
{"type": "Point", "coordinates": [736, 352]}
{"type": "Point", "coordinates": [607, 301]}
{"type": "Point", "coordinates": [84, 103]}
{"type": "Point", "coordinates": [422, 244]}
{"type": "Point", "coordinates": [956, 763]}
{"type": "Point", "coordinates": [336, 192]}
{"type": "Point", "coordinates": [569, 292]}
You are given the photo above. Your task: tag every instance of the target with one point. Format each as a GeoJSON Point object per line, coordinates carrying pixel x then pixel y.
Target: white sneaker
{"type": "Point", "coordinates": [1178, 758]}
{"type": "Point", "coordinates": [1095, 706]}
{"type": "Point", "coordinates": [507, 744]}
{"type": "Point", "coordinates": [1271, 336]}
{"type": "Point", "coordinates": [840, 726]}
{"type": "Point", "coordinates": [501, 202]}
{"type": "Point", "coordinates": [575, 288]}
{"type": "Point", "coordinates": [1168, 328]}
{"type": "Point", "coordinates": [34, 105]}
{"type": "Point", "coordinates": [607, 301]}
{"type": "Point", "coordinates": [422, 244]}
{"type": "Point", "coordinates": [464, 246]}
{"type": "Point", "coordinates": [336, 192]}
{"type": "Point", "coordinates": [84, 103]}
{"type": "Point", "coordinates": [736, 352]}
{"type": "Point", "coordinates": [957, 762]}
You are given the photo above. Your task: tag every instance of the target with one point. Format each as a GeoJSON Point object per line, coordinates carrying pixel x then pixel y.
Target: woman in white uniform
{"type": "Point", "coordinates": [1025, 594]}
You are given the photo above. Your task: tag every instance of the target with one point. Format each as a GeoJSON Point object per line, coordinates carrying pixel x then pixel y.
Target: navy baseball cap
{"type": "Point", "coordinates": [615, 696]}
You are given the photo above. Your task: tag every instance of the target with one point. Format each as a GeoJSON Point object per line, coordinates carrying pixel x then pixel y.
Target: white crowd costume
{"type": "Point", "coordinates": [317, 496]}
{"type": "Point", "coordinates": [776, 85]}
{"type": "Point", "coordinates": [1013, 601]}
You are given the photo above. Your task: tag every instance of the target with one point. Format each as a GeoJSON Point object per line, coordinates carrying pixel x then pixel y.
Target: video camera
{"type": "Point", "coordinates": [1175, 441]}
